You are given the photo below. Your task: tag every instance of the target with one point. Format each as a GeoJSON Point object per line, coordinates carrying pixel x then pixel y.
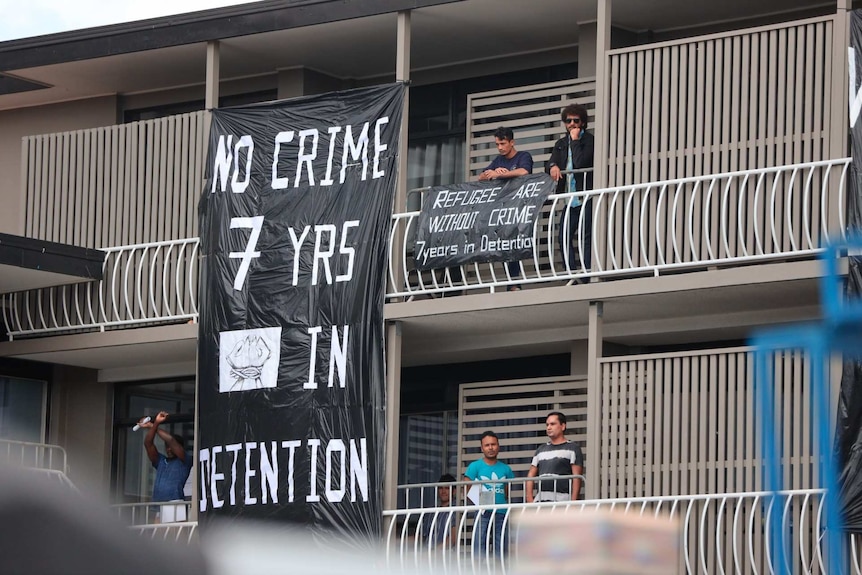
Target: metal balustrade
{"type": "Point", "coordinates": [150, 513]}
{"type": "Point", "coordinates": [728, 219]}
{"type": "Point", "coordinates": [719, 533]}
{"type": "Point", "coordinates": [143, 284]}
{"type": "Point", "coordinates": [734, 218]}
{"type": "Point", "coordinates": [179, 532]}
{"type": "Point", "coordinates": [29, 455]}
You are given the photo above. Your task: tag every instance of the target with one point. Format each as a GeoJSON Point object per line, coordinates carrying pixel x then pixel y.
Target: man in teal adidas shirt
{"type": "Point", "coordinates": [490, 469]}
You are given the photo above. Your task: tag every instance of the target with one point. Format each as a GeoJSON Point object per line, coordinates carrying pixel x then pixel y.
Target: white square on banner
{"type": "Point", "coordinates": [248, 359]}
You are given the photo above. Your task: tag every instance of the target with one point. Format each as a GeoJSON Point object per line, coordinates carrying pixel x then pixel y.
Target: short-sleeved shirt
{"type": "Point", "coordinates": [519, 160]}
{"type": "Point", "coordinates": [171, 475]}
{"type": "Point", "coordinates": [481, 470]}
{"type": "Point", "coordinates": [558, 459]}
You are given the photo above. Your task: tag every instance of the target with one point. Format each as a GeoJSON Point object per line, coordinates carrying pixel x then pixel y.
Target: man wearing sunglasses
{"type": "Point", "coordinates": [573, 152]}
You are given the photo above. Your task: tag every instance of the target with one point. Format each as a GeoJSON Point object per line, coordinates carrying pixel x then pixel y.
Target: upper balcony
{"type": "Point", "coordinates": [700, 164]}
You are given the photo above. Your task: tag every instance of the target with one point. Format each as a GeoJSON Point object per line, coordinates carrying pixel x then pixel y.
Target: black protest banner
{"type": "Point", "coordinates": [294, 224]}
{"type": "Point", "coordinates": [848, 425]}
{"type": "Point", "coordinates": [490, 221]}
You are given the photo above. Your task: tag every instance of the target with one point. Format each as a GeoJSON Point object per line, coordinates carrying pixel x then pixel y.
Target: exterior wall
{"type": "Point", "coordinates": [81, 413]}
{"type": "Point", "coordinates": [116, 185]}
{"type": "Point", "coordinates": [18, 123]}
{"type": "Point", "coordinates": [303, 82]}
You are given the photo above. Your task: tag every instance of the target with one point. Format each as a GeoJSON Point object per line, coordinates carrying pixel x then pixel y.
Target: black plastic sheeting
{"type": "Point", "coordinates": [294, 219]}
{"type": "Point", "coordinates": [477, 222]}
{"type": "Point", "coordinates": [848, 433]}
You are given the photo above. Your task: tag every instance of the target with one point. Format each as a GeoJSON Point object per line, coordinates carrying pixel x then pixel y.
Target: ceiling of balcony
{"type": "Point", "coordinates": [460, 32]}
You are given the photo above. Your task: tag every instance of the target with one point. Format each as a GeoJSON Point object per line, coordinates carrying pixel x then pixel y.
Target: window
{"type": "Point", "coordinates": [428, 447]}
{"type": "Point", "coordinates": [23, 406]}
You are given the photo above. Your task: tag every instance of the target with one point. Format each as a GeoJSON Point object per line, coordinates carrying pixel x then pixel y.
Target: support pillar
{"type": "Point", "coordinates": [594, 402]}
{"type": "Point", "coordinates": [402, 74]}
{"type": "Point", "coordinates": [603, 44]}
{"type": "Point", "coordinates": [393, 414]}
{"type": "Point", "coordinates": [213, 77]}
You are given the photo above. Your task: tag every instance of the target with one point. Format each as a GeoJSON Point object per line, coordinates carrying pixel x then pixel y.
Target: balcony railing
{"type": "Point", "coordinates": [734, 218]}
{"type": "Point", "coordinates": [719, 533]}
{"type": "Point", "coordinates": [142, 285]}
{"type": "Point", "coordinates": [729, 219]}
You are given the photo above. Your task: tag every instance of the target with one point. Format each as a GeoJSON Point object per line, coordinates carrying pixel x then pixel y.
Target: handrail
{"type": "Point", "coordinates": [693, 223]}
{"type": "Point", "coordinates": [31, 455]}
{"type": "Point", "coordinates": [179, 532]}
{"type": "Point", "coordinates": [152, 512]}
{"type": "Point", "coordinates": [718, 532]}
{"type": "Point", "coordinates": [143, 284]}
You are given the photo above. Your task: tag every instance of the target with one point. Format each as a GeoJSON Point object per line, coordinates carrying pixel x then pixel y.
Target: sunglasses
{"type": "Point", "coordinates": [575, 121]}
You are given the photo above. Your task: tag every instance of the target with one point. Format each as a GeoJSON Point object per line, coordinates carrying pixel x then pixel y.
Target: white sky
{"type": "Point", "coordinates": [25, 18]}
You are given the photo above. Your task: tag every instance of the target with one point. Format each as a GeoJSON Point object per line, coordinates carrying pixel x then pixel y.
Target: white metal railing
{"type": "Point", "coordinates": [42, 456]}
{"type": "Point", "coordinates": [179, 532]}
{"type": "Point", "coordinates": [767, 214]}
{"type": "Point", "coordinates": [141, 284]}
{"type": "Point", "coordinates": [149, 513]}
{"type": "Point", "coordinates": [424, 495]}
{"type": "Point", "coordinates": [719, 533]}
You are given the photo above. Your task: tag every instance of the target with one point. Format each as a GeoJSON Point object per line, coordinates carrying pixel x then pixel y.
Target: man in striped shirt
{"type": "Point", "coordinates": [557, 457]}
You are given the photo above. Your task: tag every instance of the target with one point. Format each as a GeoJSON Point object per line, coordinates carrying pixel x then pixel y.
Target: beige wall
{"type": "Point", "coordinates": [303, 82]}
{"type": "Point", "coordinates": [81, 422]}
{"type": "Point", "coordinates": [15, 124]}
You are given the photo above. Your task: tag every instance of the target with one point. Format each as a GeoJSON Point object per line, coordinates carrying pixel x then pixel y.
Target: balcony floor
{"type": "Point", "coordinates": [713, 305]}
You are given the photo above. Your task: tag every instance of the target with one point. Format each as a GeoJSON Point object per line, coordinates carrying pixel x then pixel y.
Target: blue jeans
{"type": "Point", "coordinates": [501, 544]}
{"type": "Point", "coordinates": [571, 223]}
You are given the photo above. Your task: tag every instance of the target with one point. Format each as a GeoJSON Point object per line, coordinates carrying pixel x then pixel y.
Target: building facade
{"type": "Point", "coordinates": [720, 173]}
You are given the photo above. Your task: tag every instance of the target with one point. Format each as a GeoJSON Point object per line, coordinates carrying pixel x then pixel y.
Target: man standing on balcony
{"type": "Point", "coordinates": [172, 469]}
{"type": "Point", "coordinates": [509, 164]}
{"type": "Point", "coordinates": [439, 526]}
{"type": "Point", "coordinates": [557, 457]}
{"type": "Point", "coordinates": [488, 469]}
{"type": "Point", "coordinates": [574, 151]}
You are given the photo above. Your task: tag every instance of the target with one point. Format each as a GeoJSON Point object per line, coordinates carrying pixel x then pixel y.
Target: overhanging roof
{"type": "Point", "coordinates": [27, 263]}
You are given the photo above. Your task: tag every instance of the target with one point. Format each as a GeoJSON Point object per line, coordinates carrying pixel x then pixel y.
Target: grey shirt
{"type": "Point", "coordinates": [551, 460]}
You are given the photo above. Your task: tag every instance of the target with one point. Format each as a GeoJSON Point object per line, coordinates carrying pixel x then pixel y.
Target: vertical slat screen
{"type": "Point", "coordinates": [117, 185]}
{"type": "Point", "coordinates": [516, 412]}
{"type": "Point", "coordinates": [533, 113]}
{"type": "Point", "coordinates": [746, 99]}
{"type": "Point", "coordinates": [686, 423]}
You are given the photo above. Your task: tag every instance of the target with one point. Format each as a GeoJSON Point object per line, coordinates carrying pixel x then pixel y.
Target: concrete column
{"type": "Point", "coordinates": [587, 58]}
{"type": "Point", "coordinates": [81, 423]}
{"type": "Point", "coordinates": [840, 80]}
{"type": "Point", "coordinates": [213, 76]}
{"type": "Point", "coordinates": [840, 86]}
{"type": "Point", "coordinates": [594, 401]}
{"type": "Point", "coordinates": [393, 413]}
{"type": "Point", "coordinates": [579, 362]}
{"type": "Point", "coordinates": [402, 74]}
{"type": "Point", "coordinates": [291, 83]}
{"type": "Point", "coordinates": [602, 45]}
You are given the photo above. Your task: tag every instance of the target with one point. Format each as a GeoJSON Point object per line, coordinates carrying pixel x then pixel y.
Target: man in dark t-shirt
{"type": "Point", "coordinates": [558, 457]}
{"type": "Point", "coordinates": [509, 164]}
